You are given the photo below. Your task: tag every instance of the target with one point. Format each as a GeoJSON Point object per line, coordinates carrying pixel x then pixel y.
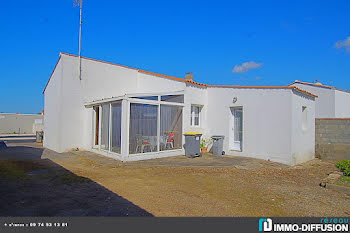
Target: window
{"type": "Point", "coordinates": [195, 115]}
{"type": "Point", "coordinates": [304, 118]}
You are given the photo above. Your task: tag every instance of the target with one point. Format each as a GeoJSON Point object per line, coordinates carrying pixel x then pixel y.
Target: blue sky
{"type": "Point", "coordinates": [282, 40]}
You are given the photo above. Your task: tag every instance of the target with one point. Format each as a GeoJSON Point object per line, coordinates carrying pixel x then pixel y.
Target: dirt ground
{"type": "Point", "coordinates": [100, 186]}
{"type": "Point", "coordinates": [35, 186]}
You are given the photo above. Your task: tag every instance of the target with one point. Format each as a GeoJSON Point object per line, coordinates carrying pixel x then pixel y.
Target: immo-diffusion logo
{"type": "Point", "coordinates": [326, 225]}
{"type": "Point", "coordinates": [265, 224]}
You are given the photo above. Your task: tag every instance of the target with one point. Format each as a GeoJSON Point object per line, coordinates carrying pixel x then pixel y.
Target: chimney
{"type": "Point", "coordinates": [189, 76]}
{"type": "Point", "coordinates": [317, 82]}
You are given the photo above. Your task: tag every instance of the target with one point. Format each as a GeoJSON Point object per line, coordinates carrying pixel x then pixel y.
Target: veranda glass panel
{"type": "Point", "coordinates": [173, 98]}
{"type": "Point", "coordinates": [170, 127]}
{"type": "Point", "coordinates": [105, 127]}
{"type": "Point", "coordinates": [116, 127]}
{"type": "Point", "coordinates": [146, 97]}
{"type": "Point", "coordinates": [143, 128]}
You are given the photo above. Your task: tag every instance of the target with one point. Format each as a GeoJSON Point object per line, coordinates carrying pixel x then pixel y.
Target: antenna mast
{"type": "Point", "coordinates": [80, 22]}
{"type": "Point", "coordinates": [80, 4]}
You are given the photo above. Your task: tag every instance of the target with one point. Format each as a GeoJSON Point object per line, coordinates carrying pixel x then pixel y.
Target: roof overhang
{"type": "Point", "coordinates": [290, 86]}
{"type": "Point", "coordinates": [311, 84]}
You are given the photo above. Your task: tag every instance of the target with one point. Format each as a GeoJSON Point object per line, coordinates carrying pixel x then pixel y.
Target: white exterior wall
{"type": "Point", "coordinates": [342, 104]}
{"type": "Point", "coordinates": [303, 140]}
{"type": "Point", "coordinates": [73, 125]}
{"type": "Point", "coordinates": [325, 101]}
{"type": "Point", "coordinates": [267, 123]}
{"type": "Point", "coordinates": [52, 106]}
{"type": "Point", "coordinates": [268, 117]}
{"type": "Point", "coordinates": [154, 84]}
{"type": "Point", "coordinates": [331, 103]}
{"type": "Point", "coordinates": [196, 95]}
{"type": "Point", "coordinates": [99, 81]}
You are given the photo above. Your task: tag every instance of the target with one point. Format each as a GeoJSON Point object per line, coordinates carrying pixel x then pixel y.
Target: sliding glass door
{"type": "Point", "coordinates": [170, 127]}
{"type": "Point", "coordinates": [143, 128]}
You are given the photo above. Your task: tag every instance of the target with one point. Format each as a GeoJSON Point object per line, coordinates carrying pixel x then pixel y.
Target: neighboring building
{"type": "Point", "coordinates": [132, 114]}
{"type": "Point", "coordinates": [332, 102]}
{"type": "Point", "coordinates": [20, 123]}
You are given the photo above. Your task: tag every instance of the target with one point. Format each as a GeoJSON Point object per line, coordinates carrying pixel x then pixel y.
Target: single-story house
{"type": "Point", "coordinates": [132, 114]}
{"type": "Point", "coordinates": [332, 102]}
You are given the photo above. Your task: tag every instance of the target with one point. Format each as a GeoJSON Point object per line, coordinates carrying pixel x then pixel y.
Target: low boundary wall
{"type": "Point", "coordinates": [332, 138]}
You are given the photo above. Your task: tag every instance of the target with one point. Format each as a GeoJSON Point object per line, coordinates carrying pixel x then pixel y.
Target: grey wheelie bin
{"type": "Point", "coordinates": [192, 144]}
{"type": "Point", "coordinates": [218, 144]}
{"type": "Point", "coordinates": [39, 136]}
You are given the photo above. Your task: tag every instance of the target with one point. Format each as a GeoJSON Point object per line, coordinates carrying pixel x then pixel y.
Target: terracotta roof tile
{"type": "Point", "coordinates": [189, 81]}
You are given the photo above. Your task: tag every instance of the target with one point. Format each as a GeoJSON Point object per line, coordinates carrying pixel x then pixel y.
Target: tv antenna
{"type": "Point", "coordinates": [80, 4]}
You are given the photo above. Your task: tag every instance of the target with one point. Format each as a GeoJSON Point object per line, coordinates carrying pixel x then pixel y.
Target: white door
{"type": "Point", "coordinates": [237, 128]}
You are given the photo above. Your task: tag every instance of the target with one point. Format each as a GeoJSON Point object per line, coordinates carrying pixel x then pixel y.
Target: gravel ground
{"type": "Point", "coordinates": [266, 190]}
{"type": "Point", "coordinates": [77, 185]}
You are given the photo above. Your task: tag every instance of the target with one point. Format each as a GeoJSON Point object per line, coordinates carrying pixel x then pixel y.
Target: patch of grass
{"type": "Point", "coordinates": [69, 178]}
{"type": "Point", "coordinates": [14, 170]}
{"type": "Point", "coordinates": [345, 179]}
{"type": "Point", "coordinates": [17, 171]}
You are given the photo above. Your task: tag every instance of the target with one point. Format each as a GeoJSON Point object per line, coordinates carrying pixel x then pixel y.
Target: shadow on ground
{"type": "Point", "coordinates": [33, 186]}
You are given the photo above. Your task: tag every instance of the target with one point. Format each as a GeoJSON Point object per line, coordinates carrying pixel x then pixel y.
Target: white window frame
{"type": "Point", "coordinates": [192, 123]}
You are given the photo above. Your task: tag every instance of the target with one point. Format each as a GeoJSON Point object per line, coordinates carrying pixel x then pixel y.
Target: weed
{"type": "Point", "coordinates": [345, 179]}
{"type": "Point", "coordinates": [344, 166]}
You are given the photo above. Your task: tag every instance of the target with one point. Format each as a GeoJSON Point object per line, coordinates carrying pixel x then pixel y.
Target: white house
{"type": "Point", "coordinates": [132, 114]}
{"type": "Point", "coordinates": [332, 102]}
